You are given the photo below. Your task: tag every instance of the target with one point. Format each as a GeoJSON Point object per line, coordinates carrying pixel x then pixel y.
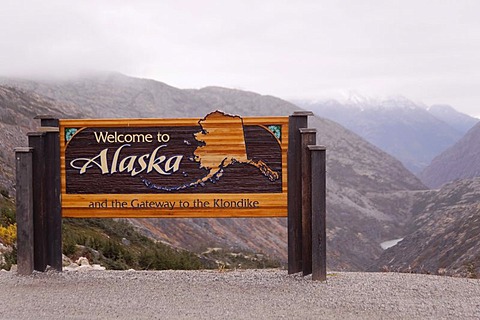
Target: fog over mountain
{"type": "Point", "coordinates": [411, 132]}
{"type": "Point", "coordinates": [290, 49]}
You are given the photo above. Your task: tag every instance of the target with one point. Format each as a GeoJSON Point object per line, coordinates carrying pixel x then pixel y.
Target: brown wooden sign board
{"type": "Point", "coordinates": [218, 166]}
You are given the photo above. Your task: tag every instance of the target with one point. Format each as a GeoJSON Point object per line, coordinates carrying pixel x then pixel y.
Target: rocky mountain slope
{"type": "Point", "coordinates": [17, 112]}
{"type": "Point", "coordinates": [410, 132]}
{"type": "Point", "coordinates": [444, 236]}
{"type": "Point", "coordinates": [362, 180]}
{"type": "Point", "coordinates": [460, 161]}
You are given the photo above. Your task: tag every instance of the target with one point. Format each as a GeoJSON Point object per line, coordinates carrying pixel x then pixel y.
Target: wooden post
{"type": "Point", "coordinates": [52, 191]}
{"type": "Point", "coordinates": [296, 121]}
{"type": "Point", "coordinates": [319, 229]}
{"type": "Point", "coordinates": [47, 120]}
{"type": "Point", "coordinates": [308, 138]}
{"type": "Point", "coordinates": [24, 204]}
{"type": "Point", "coordinates": [36, 142]}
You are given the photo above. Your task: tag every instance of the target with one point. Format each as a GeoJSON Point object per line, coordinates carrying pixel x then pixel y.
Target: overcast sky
{"type": "Point", "coordinates": [427, 51]}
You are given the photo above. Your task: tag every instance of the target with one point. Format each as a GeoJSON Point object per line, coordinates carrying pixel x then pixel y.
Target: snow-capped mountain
{"type": "Point", "coordinates": [412, 132]}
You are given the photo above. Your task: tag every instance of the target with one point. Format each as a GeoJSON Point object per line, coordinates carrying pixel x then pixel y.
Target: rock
{"type": "Point", "coordinates": [4, 248]}
{"type": "Point", "coordinates": [72, 267]}
{"type": "Point", "coordinates": [98, 267]}
{"type": "Point", "coordinates": [82, 261]}
{"type": "Point", "coordinates": [66, 261]}
{"type": "Point", "coordinates": [50, 269]}
{"type": "Point", "coordinates": [83, 265]}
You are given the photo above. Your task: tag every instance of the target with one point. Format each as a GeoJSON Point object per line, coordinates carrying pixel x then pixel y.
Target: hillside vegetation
{"type": "Point", "coordinates": [116, 245]}
{"type": "Point", "coordinates": [113, 244]}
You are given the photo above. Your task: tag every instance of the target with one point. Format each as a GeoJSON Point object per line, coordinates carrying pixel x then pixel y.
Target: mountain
{"type": "Point", "coordinates": [457, 120]}
{"type": "Point", "coordinates": [113, 95]}
{"type": "Point", "coordinates": [444, 236]}
{"type": "Point", "coordinates": [460, 161]}
{"type": "Point", "coordinates": [17, 110]}
{"type": "Point", "coordinates": [406, 130]}
{"type": "Point", "coordinates": [363, 182]}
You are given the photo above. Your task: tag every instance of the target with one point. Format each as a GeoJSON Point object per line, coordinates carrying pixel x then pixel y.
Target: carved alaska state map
{"type": "Point", "coordinates": [222, 143]}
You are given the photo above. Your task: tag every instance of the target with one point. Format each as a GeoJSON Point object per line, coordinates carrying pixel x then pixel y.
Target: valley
{"type": "Point", "coordinates": [371, 196]}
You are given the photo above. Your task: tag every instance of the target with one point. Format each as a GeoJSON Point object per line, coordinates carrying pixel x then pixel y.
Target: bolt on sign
{"type": "Point", "coordinates": [219, 166]}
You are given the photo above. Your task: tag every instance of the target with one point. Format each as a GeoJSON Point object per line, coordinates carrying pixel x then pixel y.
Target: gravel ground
{"type": "Point", "coordinates": [241, 294]}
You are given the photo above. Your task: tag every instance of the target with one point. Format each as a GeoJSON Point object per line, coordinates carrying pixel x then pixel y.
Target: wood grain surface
{"type": "Point", "coordinates": [149, 167]}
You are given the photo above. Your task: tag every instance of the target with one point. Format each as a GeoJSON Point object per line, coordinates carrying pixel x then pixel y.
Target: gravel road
{"type": "Point", "coordinates": [240, 294]}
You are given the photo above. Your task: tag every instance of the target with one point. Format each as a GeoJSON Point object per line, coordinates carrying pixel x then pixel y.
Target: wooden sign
{"type": "Point", "coordinates": [219, 166]}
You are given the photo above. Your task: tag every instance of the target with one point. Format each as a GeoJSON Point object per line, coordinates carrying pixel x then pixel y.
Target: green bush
{"type": "Point", "coordinates": [7, 214]}
{"type": "Point", "coordinates": [100, 240]}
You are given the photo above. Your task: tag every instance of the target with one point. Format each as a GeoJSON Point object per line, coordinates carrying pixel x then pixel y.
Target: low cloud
{"type": "Point", "coordinates": [302, 49]}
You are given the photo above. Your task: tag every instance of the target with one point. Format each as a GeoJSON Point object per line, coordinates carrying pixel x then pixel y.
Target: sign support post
{"type": "Point", "coordinates": [319, 236]}
{"type": "Point", "coordinates": [297, 120]}
{"type": "Point", "coordinates": [36, 140]}
{"type": "Point", "coordinates": [49, 125]}
{"type": "Point", "coordinates": [308, 138]}
{"type": "Point", "coordinates": [24, 203]}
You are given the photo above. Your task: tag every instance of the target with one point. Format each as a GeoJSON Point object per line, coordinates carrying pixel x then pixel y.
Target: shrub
{"type": "Point", "coordinates": [8, 234]}
{"type": "Point", "coordinates": [7, 216]}
{"type": "Point", "coordinates": [100, 240]}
